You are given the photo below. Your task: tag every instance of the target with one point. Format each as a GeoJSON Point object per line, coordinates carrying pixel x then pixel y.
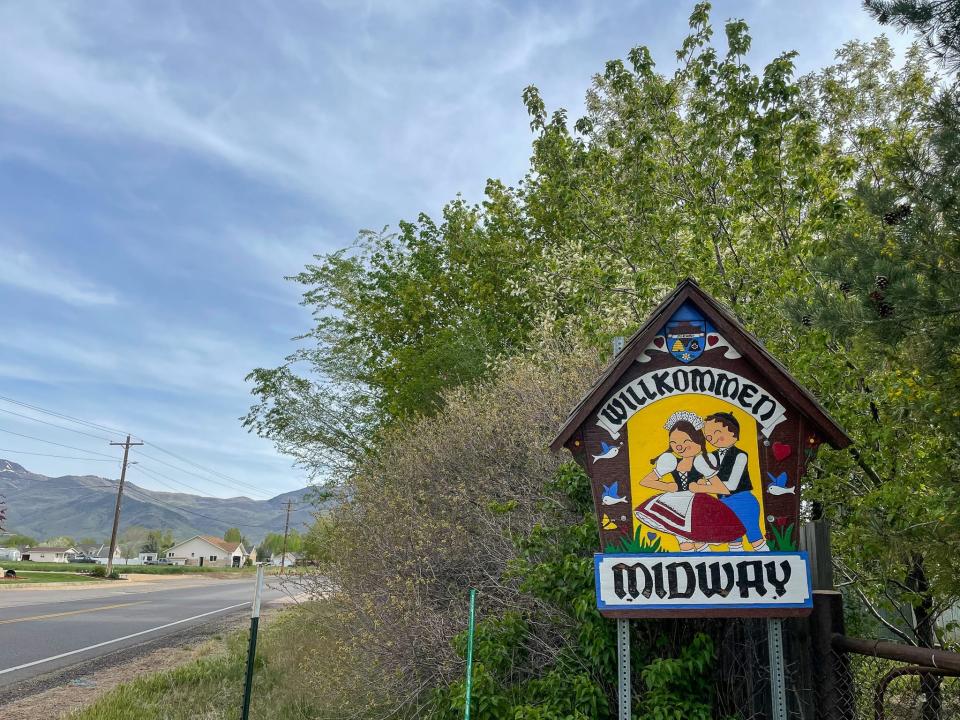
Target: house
{"type": "Point", "coordinates": [49, 554]}
{"type": "Point", "coordinates": [147, 557]}
{"type": "Point", "coordinates": [285, 559]}
{"type": "Point", "coordinates": [103, 553]}
{"type": "Point", "coordinates": [207, 551]}
{"type": "Point", "coordinates": [10, 554]}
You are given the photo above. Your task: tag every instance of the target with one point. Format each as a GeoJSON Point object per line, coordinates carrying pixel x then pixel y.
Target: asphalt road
{"type": "Point", "coordinates": [45, 630]}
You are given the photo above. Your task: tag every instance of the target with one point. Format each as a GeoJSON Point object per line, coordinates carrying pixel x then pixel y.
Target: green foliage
{"type": "Point", "coordinates": [272, 544]}
{"type": "Point", "coordinates": [680, 688]}
{"type": "Point", "coordinates": [937, 21]}
{"type": "Point", "coordinates": [100, 571]}
{"type": "Point", "coordinates": [232, 535]}
{"type": "Point", "coordinates": [16, 540]}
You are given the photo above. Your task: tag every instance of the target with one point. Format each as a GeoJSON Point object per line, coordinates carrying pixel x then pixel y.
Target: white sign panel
{"type": "Point", "coordinates": [715, 580]}
{"type": "Point", "coordinates": [659, 384]}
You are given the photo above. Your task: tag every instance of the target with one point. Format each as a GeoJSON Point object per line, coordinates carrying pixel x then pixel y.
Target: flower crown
{"type": "Point", "coordinates": [690, 417]}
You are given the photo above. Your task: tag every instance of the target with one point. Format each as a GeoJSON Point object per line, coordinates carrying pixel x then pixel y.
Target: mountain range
{"type": "Point", "coordinates": [83, 506]}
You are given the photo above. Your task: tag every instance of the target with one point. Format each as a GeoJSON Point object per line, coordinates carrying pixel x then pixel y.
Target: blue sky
{"type": "Point", "coordinates": [164, 165]}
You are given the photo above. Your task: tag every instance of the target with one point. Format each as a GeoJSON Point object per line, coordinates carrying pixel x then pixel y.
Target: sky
{"type": "Point", "coordinates": [163, 166]}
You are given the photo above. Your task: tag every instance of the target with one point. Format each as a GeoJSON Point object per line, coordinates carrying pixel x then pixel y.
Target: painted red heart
{"type": "Point", "coordinates": [712, 340]}
{"type": "Point", "coordinates": [658, 341]}
{"type": "Point", "coordinates": [781, 452]}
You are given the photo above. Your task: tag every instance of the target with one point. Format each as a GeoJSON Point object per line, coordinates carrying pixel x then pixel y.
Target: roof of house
{"type": "Point", "coordinates": [41, 548]}
{"type": "Point", "coordinates": [225, 545]}
{"type": "Point", "coordinates": [750, 346]}
{"type": "Point", "coordinates": [104, 551]}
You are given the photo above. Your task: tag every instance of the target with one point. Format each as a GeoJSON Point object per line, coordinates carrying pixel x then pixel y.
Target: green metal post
{"type": "Point", "coordinates": [466, 707]}
{"type": "Point", "coordinates": [252, 648]}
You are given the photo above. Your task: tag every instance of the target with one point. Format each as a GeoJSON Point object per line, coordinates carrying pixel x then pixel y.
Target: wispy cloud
{"type": "Point", "coordinates": [22, 271]}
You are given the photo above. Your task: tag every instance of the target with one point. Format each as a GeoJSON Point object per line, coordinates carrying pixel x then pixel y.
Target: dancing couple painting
{"type": "Point", "coordinates": [705, 497]}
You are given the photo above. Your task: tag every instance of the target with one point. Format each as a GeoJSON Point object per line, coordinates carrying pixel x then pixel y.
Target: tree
{"type": "Point", "coordinates": [936, 21]}
{"type": "Point", "coordinates": [232, 535]}
{"type": "Point", "coordinates": [60, 541]}
{"type": "Point", "coordinates": [16, 540]}
{"type": "Point", "coordinates": [157, 541]}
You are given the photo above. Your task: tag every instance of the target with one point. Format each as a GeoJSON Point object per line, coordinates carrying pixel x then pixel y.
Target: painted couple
{"type": "Point", "coordinates": [706, 497]}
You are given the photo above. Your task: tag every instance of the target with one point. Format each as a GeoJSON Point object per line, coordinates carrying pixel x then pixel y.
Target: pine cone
{"type": "Point", "coordinates": [806, 321]}
{"type": "Point", "coordinates": [876, 296]}
{"type": "Point", "coordinates": [846, 287]}
{"type": "Point", "coordinates": [882, 282]}
{"type": "Point", "coordinates": [885, 310]}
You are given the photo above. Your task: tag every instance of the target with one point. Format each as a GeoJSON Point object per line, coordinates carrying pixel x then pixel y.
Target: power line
{"type": "Point", "coordinates": [156, 475]}
{"type": "Point", "coordinates": [207, 470]}
{"type": "Point", "coordinates": [61, 427]}
{"type": "Point", "coordinates": [250, 488]}
{"type": "Point", "coordinates": [50, 442]}
{"type": "Point", "coordinates": [65, 457]}
{"type": "Point", "coordinates": [194, 512]}
{"type": "Point", "coordinates": [63, 416]}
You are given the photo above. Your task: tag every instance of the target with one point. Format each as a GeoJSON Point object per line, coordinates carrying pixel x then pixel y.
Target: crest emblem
{"type": "Point", "coordinates": [686, 339]}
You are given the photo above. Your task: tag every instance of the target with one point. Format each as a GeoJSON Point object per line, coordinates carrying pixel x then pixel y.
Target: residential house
{"type": "Point", "coordinates": [206, 551]}
{"type": "Point", "coordinates": [103, 553]}
{"type": "Point", "coordinates": [147, 557]}
{"type": "Point", "coordinates": [10, 554]}
{"type": "Point", "coordinates": [49, 554]}
{"type": "Point", "coordinates": [285, 559]}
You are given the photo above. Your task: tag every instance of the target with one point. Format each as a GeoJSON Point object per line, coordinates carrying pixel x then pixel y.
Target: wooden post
{"type": "Point", "coordinates": [815, 539]}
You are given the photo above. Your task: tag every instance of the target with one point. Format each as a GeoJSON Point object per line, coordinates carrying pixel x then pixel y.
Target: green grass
{"type": "Point", "coordinates": [86, 567]}
{"type": "Point", "coordinates": [211, 687]}
{"type": "Point", "coordinates": [26, 577]}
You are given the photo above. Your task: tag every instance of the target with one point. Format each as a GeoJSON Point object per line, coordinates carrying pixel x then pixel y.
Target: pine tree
{"type": "Point", "coordinates": [937, 21]}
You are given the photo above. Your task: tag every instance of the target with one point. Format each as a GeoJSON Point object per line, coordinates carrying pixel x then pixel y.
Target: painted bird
{"type": "Point", "coordinates": [778, 485]}
{"type": "Point", "coordinates": [607, 451]}
{"type": "Point", "coordinates": [611, 494]}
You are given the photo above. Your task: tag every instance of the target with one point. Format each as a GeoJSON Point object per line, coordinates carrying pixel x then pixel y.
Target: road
{"type": "Point", "coordinates": [49, 629]}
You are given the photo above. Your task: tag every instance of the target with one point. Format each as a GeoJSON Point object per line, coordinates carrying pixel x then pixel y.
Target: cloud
{"type": "Point", "coordinates": [22, 271]}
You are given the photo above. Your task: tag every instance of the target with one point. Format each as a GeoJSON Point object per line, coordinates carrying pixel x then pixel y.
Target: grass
{"type": "Point", "coordinates": [24, 577]}
{"type": "Point", "coordinates": [86, 567]}
{"type": "Point", "coordinates": [211, 687]}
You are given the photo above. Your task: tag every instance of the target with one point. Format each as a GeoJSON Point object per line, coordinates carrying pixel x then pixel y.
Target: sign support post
{"type": "Point", "coordinates": [624, 691]}
{"type": "Point", "coordinates": [252, 648]}
{"type": "Point", "coordinates": [778, 685]}
{"type": "Point", "coordinates": [469, 684]}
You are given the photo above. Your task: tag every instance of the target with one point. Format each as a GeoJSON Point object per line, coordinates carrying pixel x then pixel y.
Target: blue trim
{"type": "Point", "coordinates": [600, 557]}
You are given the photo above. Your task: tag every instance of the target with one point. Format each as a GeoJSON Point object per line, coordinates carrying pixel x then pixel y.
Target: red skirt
{"type": "Point", "coordinates": [691, 516]}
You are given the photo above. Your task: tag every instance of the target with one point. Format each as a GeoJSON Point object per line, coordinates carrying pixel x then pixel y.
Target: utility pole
{"type": "Point", "coordinates": [116, 513]}
{"type": "Point", "coordinates": [252, 647]}
{"type": "Point", "coordinates": [286, 529]}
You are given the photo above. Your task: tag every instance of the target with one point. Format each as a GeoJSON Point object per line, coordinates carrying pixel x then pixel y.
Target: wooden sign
{"type": "Point", "coordinates": [695, 440]}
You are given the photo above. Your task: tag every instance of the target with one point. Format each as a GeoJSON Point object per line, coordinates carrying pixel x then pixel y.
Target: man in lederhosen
{"type": "Point", "coordinates": [723, 431]}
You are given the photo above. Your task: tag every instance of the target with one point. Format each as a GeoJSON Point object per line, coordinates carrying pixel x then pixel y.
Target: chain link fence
{"type": "Point", "coordinates": [876, 688]}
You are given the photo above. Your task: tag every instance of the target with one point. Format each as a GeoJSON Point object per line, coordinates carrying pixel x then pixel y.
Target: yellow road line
{"type": "Point", "coordinates": [71, 612]}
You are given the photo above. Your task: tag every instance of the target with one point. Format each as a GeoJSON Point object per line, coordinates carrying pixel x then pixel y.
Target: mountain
{"type": "Point", "coordinates": [83, 506]}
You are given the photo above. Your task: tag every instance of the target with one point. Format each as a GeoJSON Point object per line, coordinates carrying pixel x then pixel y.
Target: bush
{"type": "Point", "coordinates": [100, 571]}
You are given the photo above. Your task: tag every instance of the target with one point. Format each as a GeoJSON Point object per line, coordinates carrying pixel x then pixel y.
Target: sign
{"type": "Point", "coordinates": [680, 581]}
{"type": "Point", "coordinates": [695, 440]}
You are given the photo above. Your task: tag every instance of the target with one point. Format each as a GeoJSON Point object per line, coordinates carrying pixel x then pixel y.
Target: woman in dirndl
{"type": "Point", "coordinates": [688, 507]}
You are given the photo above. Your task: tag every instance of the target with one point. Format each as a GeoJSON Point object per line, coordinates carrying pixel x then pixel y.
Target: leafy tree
{"type": "Point", "coordinates": [157, 541]}
{"type": "Point", "coordinates": [272, 544]}
{"type": "Point", "coordinates": [60, 541]}
{"type": "Point", "coordinates": [16, 540]}
{"type": "Point", "coordinates": [233, 535]}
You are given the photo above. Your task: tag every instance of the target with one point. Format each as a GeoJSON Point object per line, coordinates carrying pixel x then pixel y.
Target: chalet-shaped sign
{"type": "Point", "coordinates": [695, 440]}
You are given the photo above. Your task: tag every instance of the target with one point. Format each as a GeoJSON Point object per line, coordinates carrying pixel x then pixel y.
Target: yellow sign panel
{"type": "Point", "coordinates": [695, 476]}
